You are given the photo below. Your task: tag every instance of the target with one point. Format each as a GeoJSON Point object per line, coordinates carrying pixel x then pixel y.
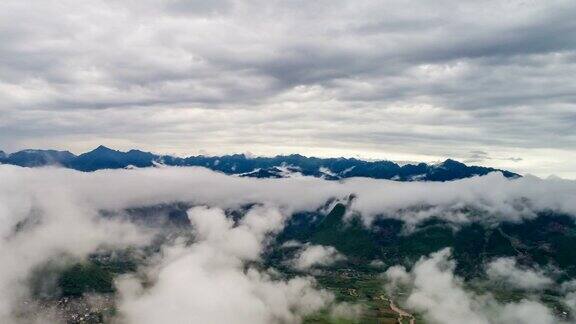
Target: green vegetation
{"type": "Point", "coordinates": [350, 238]}
{"type": "Point", "coordinates": [84, 278]}
{"type": "Point", "coordinates": [355, 287]}
{"type": "Point", "coordinates": [325, 318]}
{"type": "Point", "coordinates": [546, 240]}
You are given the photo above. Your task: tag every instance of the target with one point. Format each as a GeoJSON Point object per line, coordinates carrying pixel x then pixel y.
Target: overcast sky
{"type": "Point", "coordinates": [485, 82]}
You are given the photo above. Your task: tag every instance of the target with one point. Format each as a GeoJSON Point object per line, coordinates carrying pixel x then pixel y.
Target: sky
{"type": "Point", "coordinates": [484, 82]}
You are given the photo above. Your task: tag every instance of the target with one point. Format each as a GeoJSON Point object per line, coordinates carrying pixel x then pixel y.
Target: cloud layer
{"type": "Point", "coordinates": [49, 212]}
{"type": "Point", "coordinates": [441, 297]}
{"type": "Point", "coordinates": [497, 197]}
{"type": "Point", "coordinates": [206, 282]}
{"type": "Point", "coordinates": [405, 80]}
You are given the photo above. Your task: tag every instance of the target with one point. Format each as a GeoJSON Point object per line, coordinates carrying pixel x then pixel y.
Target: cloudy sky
{"type": "Point", "coordinates": [487, 82]}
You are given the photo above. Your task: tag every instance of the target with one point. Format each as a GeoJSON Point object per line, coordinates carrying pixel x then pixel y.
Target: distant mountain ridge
{"type": "Point", "coordinates": [259, 167]}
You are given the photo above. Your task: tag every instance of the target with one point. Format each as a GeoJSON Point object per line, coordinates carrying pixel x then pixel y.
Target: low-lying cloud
{"type": "Point", "coordinates": [506, 270]}
{"type": "Point", "coordinates": [441, 297]}
{"type": "Point", "coordinates": [315, 256]}
{"type": "Point", "coordinates": [206, 282]}
{"type": "Point", "coordinates": [49, 212]}
{"type": "Point", "coordinates": [499, 198]}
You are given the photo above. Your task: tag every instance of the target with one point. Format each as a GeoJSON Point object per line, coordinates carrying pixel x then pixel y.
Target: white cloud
{"type": "Point", "coordinates": [60, 211]}
{"type": "Point", "coordinates": [527, 311]}
{"type": "Point", "coordinates": [441, 297]}
{"type": "Point", "coordinates": [54, 223]}
{"type": "Point", "coordinates": [396, 276]}
{"type": "Point", "coordinates": [377, 263]}
{"type": "Point", "coordinates": [506, 270]}
{"type": "Point", "coordinates": [569, 290]}
{"type": "Point", "coordinates": [439, 294]}
{"type": "Point", "coordinates": [496, 197]}
{"type": "Point", "coordinates": [347, 311]}
{"type": "Point", "coordinates": [206, 282]}
{"type": "Point", "coordinates": [316, 255]}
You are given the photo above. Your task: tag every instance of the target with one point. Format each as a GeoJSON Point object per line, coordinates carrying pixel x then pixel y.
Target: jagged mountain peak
{"type": "Point", "coordinates": [102, 149]}
{"type": "Point", "coordinates": [103, 157]}
{"type": "Point", "coordinates": [450, 163]}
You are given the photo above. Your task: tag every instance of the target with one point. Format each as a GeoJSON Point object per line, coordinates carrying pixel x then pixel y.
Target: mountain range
{"type": "Point", "coordinates": [259, 167]}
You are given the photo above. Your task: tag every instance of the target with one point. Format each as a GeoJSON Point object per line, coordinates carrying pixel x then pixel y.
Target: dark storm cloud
{"type": "Point", "coordinates": [404, 79]}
